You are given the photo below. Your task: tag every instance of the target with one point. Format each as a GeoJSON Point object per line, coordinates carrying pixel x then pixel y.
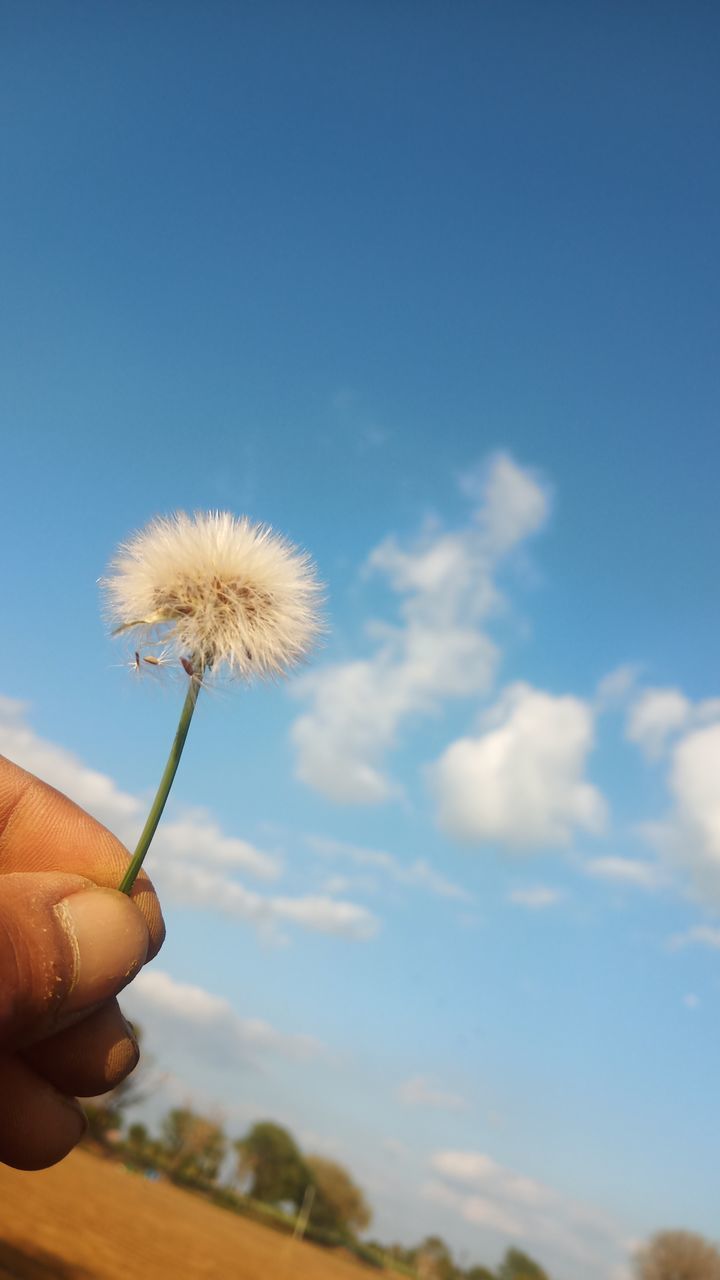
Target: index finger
{"type": "Point", "coordinates": [42, 830]}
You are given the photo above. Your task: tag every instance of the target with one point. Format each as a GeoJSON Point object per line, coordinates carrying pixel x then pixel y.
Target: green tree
{"type": "Point", "coordinates": [138, 1140]}
{"type": "Point", "coordinates": [141, 1148]}
{"type": "Point", "coordinates": [270, 1157]}
{"type": "Point", "coordinates": [479, 1273]}
{"type": "Point", "coordinates": [434, 1261]}
{"type": "Point", "coordinates": [517, 1265]}
{"type": "Point", "coordinates": [193, 1146]}
{"type": "Point", "coordinates": [104, 1121]}
{"type": "Point", "coordinates": [678, 1255]}
{"type": "Point", "coordinates": [338, 1204]}
{"type": "Point", "coordinates": [399, 1253]}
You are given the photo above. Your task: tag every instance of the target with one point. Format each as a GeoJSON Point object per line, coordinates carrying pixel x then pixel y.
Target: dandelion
{"type": "Point", "coordinates": [218, 594]}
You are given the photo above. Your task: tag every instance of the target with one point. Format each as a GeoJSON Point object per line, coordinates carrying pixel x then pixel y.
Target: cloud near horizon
{"type": "Point", "coordinates": [519, 1209]}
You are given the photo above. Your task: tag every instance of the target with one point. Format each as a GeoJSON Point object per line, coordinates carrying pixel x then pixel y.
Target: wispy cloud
{"type": "Point", "coordinates": [616, 687]}
{"type": "Point", "coordinates": [420, 1091]}
{"type": "Point", "coordinates": [197, 836]}
{"type": "Point", "coordinates": [94, 791]}
{"type": "Point", "coordinates": [200, 887]}
{"type": "Point", "coordinates": [518, 1208]}
{"type": "Point", "coordinates": [536, 897]}
{"type": "Point", "coordinates": [655, 717]}
{"type": "Point", "coordinates": [658, 716]}
{"type": "Point", "coordinates": [194, 862]}
{"type": "Point", "coordinates": [419, 874]}
{"type": "Point", "coordinates": [438, 649]}
{"type": "Point", "coordinates": [699, 935]}
{"type": "Point", "coordinates": [207, 1024]}
{"type": "Point", "coordinates": [627, 871]}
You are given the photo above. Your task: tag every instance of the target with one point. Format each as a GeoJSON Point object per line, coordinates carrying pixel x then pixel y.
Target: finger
{"type": "Point", "coordinates": [38, 1125]}
{"type": "Point", "coordinates": [65, 946]}
{"type": "Point", "coordinates": [41, 830]}
{"type": "Point", "coordinates": [90, 1057]}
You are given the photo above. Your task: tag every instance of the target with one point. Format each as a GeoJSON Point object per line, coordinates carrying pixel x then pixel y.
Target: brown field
{"type": "Point", "coordinates": [87, 1219]}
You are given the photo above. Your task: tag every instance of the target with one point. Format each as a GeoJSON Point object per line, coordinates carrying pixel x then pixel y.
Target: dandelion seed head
{"type": "Point", "coordinates": [216, 591]}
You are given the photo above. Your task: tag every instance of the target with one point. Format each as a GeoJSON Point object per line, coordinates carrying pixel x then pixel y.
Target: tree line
{"type": "Point", "coordinates": [265, 1174]}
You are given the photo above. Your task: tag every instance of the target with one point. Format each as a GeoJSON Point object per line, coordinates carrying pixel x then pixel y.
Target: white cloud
{"type": "Point", "coordinates": [418, 874]}
{"type": "Point", "coordinates": [615, 687]}
{"type": "Point", "coordinates": [629, 871]}
{"type": "Point", "coordinates": [694, 783]}
{"type": "Point", "coordinates": [654, 717]}
{"type": "Point", "coordinates": [438, 651]}
{"type": "Point", "coordinates": [476, 1170]}
{"type": "Point", "coordinates": [336, 885]}
{"type": "Point", "coordinates": [94, 791]}
{"type": "Point", "coordinates": [520, 783]}
{"type": "Point", "coordinates": [699, 935]}
{"type": "Point", "coordinates": [423, 875]}
{"type": "Point", "coordinates": [690, 836]}
{"type": "Point", "coordinates": [197, 836]}
{"type": "Point", "coordinates": [192, 858]}
{"type": "Point", "coordinates": [519, 1208]}
{"type": "Point", "coordinates": [476, 1209]}
{"type": "Point", "coordinates": [658, 715]}
{"type": "Point", "coordinates": [178, 1012]}
{"type": "Point", "coordinates": [691, 1001]}
{"type": "Point", "coordinates": [512, 502]}
{"type": "Point", "coordinates": [419, 1091]}
{"type": "Point", "coordinates": [199, 887]}
{"type": "Point", "coordinates": [536, 897]}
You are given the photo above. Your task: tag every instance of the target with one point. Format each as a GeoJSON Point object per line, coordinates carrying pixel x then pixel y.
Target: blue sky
{"type": "Point", "coordinates": [434, 292]}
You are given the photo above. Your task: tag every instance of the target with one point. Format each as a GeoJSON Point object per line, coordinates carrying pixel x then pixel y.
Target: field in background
{"type": "Point", "coordinates": [87, 1219]}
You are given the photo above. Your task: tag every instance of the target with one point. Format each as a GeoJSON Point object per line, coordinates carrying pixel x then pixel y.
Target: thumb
{"type": "Point", "coordinates": [65, 946]}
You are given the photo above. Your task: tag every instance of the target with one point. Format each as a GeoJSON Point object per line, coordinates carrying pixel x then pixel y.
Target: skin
{"type": "Point", "coordinates": [68, 944]}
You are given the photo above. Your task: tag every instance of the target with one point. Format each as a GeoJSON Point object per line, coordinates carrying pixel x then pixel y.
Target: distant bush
{"type": "Point", "coordinates": [364, 1254]}
{"type": "Point", "coordinates": [402, 1268]}
{"type": "Point", "coordinates": [266, 1214]}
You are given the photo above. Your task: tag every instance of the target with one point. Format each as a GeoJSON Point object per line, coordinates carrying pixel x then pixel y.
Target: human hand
{"type": "Point", "coordinates": [68, 943]}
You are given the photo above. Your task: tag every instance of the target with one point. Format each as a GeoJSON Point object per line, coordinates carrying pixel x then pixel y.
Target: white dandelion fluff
{"type": "Point", "coordinates": [209, 591]}
{"type": "Point", "coordinates": [216, 591]}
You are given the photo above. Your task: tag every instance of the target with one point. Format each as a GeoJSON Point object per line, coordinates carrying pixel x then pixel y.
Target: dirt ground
{"type": "Point", "coordinates": [87, 1219]}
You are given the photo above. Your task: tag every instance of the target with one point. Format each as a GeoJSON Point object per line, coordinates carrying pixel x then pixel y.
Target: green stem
{"type": "Point", "coordinates": [163, 790]}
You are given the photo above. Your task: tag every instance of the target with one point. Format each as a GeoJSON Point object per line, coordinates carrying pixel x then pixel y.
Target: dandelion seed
{"type": "Point", "coordinates": [152, 660]}
{"type": "Point", "coordinates": [216, 592]}
{"type": "Point", "coordinates": [162, 659]}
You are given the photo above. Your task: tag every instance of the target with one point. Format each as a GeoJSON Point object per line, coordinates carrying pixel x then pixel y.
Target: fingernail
{"type": "Point", "coordinates": [123, 1057]}
{"type": "Point", "coordinates": [109, 940]}
{"type": "Point", "coordinates": [131, 1034]}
